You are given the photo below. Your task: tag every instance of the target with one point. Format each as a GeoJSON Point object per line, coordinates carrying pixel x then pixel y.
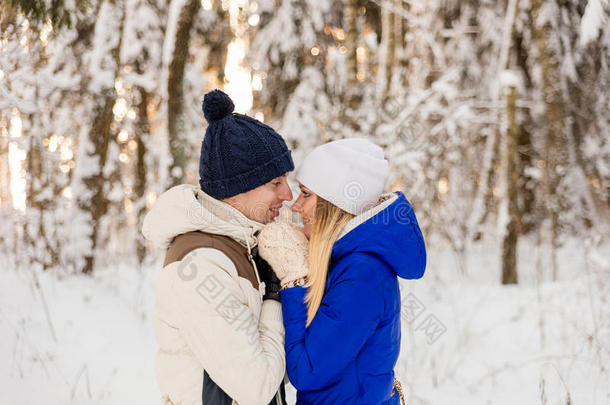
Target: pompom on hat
{"type": "Point", "coordinates": [238, 153]}
{"type": "Point", "coordinates": [217, 105]}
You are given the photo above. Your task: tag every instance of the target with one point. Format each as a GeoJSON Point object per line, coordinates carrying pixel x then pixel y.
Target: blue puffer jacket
{"type": "Point", "coordinates": [348, 353]}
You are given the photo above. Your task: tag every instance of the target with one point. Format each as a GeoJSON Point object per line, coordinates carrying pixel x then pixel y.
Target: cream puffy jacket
{"type": "Point", "coordinates": [205, 316]}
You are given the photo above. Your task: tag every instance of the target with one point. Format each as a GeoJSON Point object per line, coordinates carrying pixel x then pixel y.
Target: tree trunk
{"type": "Point", "coordinates": [554, 125]}
{"type": "Point", "coordinates": [218, 38]}
{"type": "Point", "coordinates": [527, 184]}
{"type": "Point", "coordinates": [510, 156]}
{"type": "Point", "coordinates": [38, 204]}
{"type": "Point", "coordinates": [391, 53]}
{"type": "Point", "coordinates": [141, 132]}
{"type": "Point", "coordinates": [386, 57]}
{"type": "Point", "coordinates": [41, 195]}
{"type": "Point", "coordinates": [100, 134]}
{"type": "Point", "coordinates": [351, 41]}
{"type": "Point", "coordinates": [509, 244]}
{"type": "Point", "coordinates": [400, 28]}
{"type": "Point", "coordinates": [352, 94]}
{"type": "Point", "coordinates": [175, 92]}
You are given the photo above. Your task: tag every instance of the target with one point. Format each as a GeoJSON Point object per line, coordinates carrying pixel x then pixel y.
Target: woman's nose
{"type": "Point", "coordinates": [296, 207]}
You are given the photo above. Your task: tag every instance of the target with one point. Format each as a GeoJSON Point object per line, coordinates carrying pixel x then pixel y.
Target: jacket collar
{"type": "Point", "coordinates": [185, 208]}
{"type": "Point", "coordinates": [385, 201]}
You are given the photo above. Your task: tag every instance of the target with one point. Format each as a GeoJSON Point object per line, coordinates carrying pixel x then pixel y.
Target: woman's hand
{"type": "Point", "coordinates": [285, 248]}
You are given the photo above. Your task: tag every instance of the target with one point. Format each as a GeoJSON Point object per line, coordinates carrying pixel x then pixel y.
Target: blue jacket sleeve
{"type": "Point", "coordinates": [348, 315]}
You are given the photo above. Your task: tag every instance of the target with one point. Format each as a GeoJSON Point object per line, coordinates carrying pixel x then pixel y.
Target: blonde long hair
{"type": "Point", "coordinates": [329, 221]}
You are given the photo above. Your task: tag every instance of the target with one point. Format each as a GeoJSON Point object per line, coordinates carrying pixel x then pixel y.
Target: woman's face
{"type": "Point", "coordinates": [305, 205]}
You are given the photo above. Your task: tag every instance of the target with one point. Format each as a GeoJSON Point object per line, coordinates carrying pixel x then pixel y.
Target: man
{"type": "Point", "coordinates": [217, 318]}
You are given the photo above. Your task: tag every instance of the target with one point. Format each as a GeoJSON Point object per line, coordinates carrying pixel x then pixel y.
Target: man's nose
{"type": "Point", "coordinates": [286, 194]}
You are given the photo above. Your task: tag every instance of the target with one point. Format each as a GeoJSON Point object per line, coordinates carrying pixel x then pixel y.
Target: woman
{"type": "Point", "coordinates": [340, 295]}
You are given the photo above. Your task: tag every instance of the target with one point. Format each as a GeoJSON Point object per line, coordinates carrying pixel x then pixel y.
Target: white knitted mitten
{"type": "Point", "coordinates": [285, 248]}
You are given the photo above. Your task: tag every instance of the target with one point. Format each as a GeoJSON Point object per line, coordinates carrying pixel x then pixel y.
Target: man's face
{"type": "Point", "coordinates": [262, 204]}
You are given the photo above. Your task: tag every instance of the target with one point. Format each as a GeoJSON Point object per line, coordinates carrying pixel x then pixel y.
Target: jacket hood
{"type": "Point", "coordinates": [388, 231]}
{"type": "Point", "coordinates": [185, 208]}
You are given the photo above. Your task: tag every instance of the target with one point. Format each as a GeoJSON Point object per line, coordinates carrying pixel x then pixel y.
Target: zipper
{"type": "Point", "coordinates": [261, 285]}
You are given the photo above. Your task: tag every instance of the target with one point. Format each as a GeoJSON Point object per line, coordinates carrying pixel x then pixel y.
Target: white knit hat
{"type": "Point", "coordinates": [349, 173]}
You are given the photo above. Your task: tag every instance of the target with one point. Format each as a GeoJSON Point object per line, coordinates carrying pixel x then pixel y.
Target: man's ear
{"type": "Point", "coordinates": [235, 202]}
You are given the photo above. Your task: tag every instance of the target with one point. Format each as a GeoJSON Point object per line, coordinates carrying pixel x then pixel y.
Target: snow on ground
{"type": "Point", "coordinates": [466, 339]}
{"type": "Point", "coordinates": [97, 348]}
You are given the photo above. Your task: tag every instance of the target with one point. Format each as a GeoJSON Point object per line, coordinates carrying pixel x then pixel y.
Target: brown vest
{"type": "Point", "coordinates": [187, 242]}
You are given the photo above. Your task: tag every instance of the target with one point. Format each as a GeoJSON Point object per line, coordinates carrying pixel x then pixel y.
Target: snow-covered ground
{"type": "Point", "coordinates": [88, 340]}
{"type": "Point", "coordinates": [95, 344]}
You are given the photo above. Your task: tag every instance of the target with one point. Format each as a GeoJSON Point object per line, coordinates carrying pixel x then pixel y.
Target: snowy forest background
{"type": "Point", "coordinates": [494, 115]}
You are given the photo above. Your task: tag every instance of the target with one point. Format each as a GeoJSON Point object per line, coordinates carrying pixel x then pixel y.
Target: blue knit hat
{"type": "Point", "coordinates": [238, 152]}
